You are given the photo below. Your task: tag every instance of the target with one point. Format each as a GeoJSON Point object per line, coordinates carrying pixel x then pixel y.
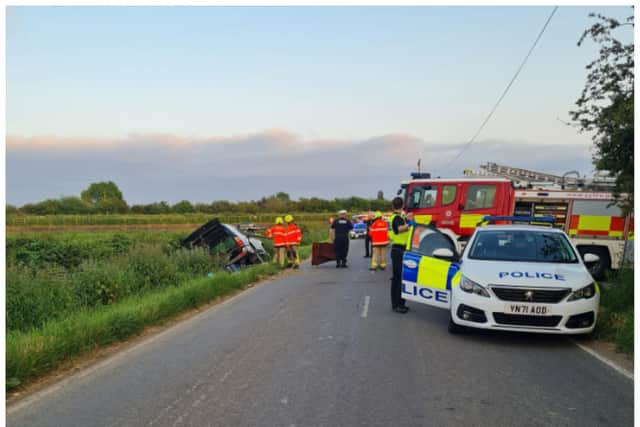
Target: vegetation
{"type": "Point", "coordinates": [37, 351]}
{"type": "Point", "coordinates": [106, 198]}
{"type": "Point", "coordinates": [615, 322]}
{"type": "Point", "coordinates": [69, 292]}
{"type": "Point", "coordinates": [605, 106]}
{"type": "Point", "coordinates": [70, 249]}
{"type": "Point", "coordinates": [164, 219]}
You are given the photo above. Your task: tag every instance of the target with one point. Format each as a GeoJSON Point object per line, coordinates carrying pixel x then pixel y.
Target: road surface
{"type": "Point", "coordinates": [321, 347]}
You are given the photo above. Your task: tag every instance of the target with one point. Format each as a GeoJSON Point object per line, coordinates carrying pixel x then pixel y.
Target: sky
{"type": "Point", "coordinates": [210, 103]}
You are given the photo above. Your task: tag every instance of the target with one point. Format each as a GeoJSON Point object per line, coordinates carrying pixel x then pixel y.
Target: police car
{"type": "Point", "coordinates": [516, 277]}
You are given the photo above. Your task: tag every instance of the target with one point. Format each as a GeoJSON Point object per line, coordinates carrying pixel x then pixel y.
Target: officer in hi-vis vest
{"type": "Point", "coordinates": [399, 235]}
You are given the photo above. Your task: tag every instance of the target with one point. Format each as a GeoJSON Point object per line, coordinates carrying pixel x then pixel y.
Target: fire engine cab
{"type": "Point", "coordinates": [459, 204]}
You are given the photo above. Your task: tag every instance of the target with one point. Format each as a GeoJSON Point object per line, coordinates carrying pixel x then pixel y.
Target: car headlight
{"type": "Point", "coordinates": [471, 287]}
{"type": "Point", "coordinates": [587, 292]}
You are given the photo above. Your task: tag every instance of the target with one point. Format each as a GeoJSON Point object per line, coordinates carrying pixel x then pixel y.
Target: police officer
{"type": "Point", "coordinates": [368, 220]}
{"type": "Point", "coordinates": [339, 235]}
{"type": "Point", "coordinates": [398, 234]}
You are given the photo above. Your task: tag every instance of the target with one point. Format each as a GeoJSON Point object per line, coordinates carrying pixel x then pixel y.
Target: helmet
{"type": "Point", "coordinates": [288, 218]}
{"type": "Point", "coordinates": [378, 214]}
{"type": "Point", "coordinates": [279, 220]}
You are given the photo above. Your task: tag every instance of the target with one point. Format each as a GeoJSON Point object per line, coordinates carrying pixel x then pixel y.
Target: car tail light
{"type": "Point", "coordinates": [239, 242]}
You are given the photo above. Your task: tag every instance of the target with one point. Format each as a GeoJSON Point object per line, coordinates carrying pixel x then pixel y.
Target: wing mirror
{"type": "Point", "coordinates": [590, 258]}
{"type": "Point", "coordinates": [443, 253]}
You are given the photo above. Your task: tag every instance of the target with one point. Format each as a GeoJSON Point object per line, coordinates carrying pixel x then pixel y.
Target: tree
{"type": "Point", "coordinates": [284, 197]}
{"type": "Point", "coordinates": [12, 210]}
{"type": "Point", "coordinates": [74, 205]}
{"type": "Point", "coordinates": [183, 207]}
{"type": "Point", "coordinates": [380, 195]}
{"type": "Point", "coordinates": [605, 106]}
{"type": "Point", "coordinates": [99, 191]}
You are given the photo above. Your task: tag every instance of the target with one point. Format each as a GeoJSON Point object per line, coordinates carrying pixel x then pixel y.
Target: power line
{"type": "Point", "coordinates": [504, 93]}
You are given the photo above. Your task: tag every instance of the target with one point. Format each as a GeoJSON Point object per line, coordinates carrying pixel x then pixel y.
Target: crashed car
{"type": "Point", "coordinates": [228, 241]}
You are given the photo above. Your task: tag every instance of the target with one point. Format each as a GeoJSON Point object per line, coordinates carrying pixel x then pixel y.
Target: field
{"type": "Point", "coordinates": [70, 292]}
{"type": "Point", "coordinates": [16, 221]}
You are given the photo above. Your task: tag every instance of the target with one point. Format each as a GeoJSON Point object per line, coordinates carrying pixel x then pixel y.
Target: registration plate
{"type": "Point", "coordinates": [528, 309]}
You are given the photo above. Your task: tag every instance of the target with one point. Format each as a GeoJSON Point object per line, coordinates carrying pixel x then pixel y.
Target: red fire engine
{"type": "Point", "coordinates": [459, 204]}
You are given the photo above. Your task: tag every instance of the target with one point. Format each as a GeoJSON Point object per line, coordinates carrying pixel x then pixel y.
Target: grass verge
{"type": "Point", "coordinates": [38, 351]}
{"type": "Point", "coordinates": [615, 321]}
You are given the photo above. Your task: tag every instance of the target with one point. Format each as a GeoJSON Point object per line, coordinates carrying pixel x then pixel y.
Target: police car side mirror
{"type": "Point", "coordinates": [590, 258]}
{"type": "Point", "coordinates": [443, 253]}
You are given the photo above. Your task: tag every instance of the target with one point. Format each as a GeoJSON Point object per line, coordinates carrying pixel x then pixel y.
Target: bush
{"type": "Point", "coordinates": [101, 283]}
{"type": "Point", "coordinates": [192, 262]}
{"type": "Point", "coordinates": [615, 320]}
{"type": "Point", "coordinates": [151, 268]}
{"type": "Point", "coordinates": [33, 298]}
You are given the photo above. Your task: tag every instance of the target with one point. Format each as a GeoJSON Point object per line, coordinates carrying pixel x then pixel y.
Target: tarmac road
{"type": "Point", "coordinates": [321, 347]}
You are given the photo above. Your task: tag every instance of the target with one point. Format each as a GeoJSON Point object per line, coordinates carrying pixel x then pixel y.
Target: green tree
{"type": "Point", "coordinates": [183, 207]}
{"type": "Point", "coordinates": [605, 106]}
{"type": "Point", "coordinates": [99, 191]}
{"type": "Point", "coordinates": [74, 205]}
{"type": "Point", "coordinates": [12, 210]}
{"type": "Point", "coordinates": [157, 208]}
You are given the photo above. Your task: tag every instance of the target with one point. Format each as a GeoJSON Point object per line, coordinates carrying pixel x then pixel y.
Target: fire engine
{"type": "Point", "coordinates": [458, 205]}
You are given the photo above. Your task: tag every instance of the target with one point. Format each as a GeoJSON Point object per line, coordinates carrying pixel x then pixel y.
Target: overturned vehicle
{"type": "Point", "coordinates": [227, 242]}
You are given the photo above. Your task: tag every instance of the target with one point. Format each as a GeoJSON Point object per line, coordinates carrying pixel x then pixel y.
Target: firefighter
{"type": "Point", "coordinates": [399, 235]}
{"type": "Point", "coordinates": [294, 238]}
{"type": "Point", "coordinates": [277, 234]}
{"type": "Point", "coordinates": [339, 235]}
{"type": "Point", "coordinates": [379, 234]}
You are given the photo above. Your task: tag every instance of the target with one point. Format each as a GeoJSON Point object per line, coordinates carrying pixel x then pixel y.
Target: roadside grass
{"type": "Point", "coordinates": [615, 321]}
{"type": "Point", "coordinates": [37, 351]}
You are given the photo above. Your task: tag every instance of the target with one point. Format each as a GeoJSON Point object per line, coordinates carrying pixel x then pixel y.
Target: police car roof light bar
{"type": "Point", "coordinates": [545, 219]}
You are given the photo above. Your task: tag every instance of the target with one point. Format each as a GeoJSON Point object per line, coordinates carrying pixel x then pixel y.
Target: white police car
{"type": "Point", "coordinates": [510, 277]}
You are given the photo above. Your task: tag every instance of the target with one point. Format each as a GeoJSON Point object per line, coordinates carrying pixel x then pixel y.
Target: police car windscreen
{"type": "Point", "coordinates": [522, 245]}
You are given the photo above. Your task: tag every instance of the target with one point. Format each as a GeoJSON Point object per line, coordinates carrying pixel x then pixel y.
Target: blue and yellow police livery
{"type": "Point", "coordinates": [510, 277]}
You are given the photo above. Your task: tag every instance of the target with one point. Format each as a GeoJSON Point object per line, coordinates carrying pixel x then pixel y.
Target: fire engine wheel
{"type": "Point", "coordinates": [599, 269]}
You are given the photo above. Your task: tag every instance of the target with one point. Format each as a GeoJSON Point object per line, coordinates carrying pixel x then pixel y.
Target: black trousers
{"type": "Point", "coordinates": [396, 280]}
{"type": "Point", "coordinates": [341, 248]}
{"type": "Point", "coordinates": [367, 245]}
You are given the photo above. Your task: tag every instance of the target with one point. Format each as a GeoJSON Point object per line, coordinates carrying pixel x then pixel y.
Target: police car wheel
{"type": "Point", "coordinates": [455, 328]}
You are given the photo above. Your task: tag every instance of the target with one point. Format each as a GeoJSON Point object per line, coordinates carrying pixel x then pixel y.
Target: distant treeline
{"type": "Point", "coordinates": [106, 198]}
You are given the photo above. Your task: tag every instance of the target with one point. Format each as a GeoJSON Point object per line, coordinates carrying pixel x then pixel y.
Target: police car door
{"type": "Point", "coordinates": [428, 267]}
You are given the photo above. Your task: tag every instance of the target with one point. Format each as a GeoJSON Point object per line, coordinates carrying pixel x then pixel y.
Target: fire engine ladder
{"type": "Point", "coordinates": [525, 178]}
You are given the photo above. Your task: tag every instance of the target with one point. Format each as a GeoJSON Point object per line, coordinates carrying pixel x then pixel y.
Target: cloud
{"type": "Point", "coordinates": [153, 167]}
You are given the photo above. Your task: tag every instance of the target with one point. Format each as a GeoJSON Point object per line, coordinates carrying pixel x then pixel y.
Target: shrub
{"type": "Point", "coordinates": [615, 320]}
{"type": "Point", "coordinates": [33, 298]}
{"type": "Point", "coordinates": [151, 268]}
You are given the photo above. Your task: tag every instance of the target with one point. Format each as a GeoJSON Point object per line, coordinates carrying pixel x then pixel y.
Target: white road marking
{"type": "Point", "coordinates": [606, 361]}
{"type": "Point", "coordinates": [365, 307]}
